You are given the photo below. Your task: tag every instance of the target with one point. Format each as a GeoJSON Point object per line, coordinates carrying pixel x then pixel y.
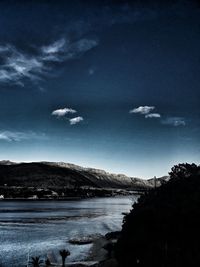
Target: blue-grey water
{"type": "Point", "coordinates": [41, 227]}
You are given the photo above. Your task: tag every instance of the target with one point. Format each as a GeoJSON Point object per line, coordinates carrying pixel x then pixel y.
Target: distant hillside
{"type": "Point", "coordinates": [60, 174]}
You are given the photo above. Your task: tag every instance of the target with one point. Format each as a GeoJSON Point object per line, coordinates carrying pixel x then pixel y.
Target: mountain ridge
{"type": "Point", "coordinates": [45, 174]}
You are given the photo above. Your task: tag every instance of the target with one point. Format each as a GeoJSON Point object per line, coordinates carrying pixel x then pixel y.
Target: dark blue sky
{"type": "Point", "coordinates": [105, 84]}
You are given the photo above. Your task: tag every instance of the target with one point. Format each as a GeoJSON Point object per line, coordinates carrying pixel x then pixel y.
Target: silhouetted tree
{"type": "Point", "coordinates": [183, 170]}
{"type": "Point", "coordinates": [109, 248]}
{"type": "Point", "coordinates": [36, 261]}
{"type": "Point", "coordinates": [47, 262]}
{"type": "Point", "coordinates": [64, 254]}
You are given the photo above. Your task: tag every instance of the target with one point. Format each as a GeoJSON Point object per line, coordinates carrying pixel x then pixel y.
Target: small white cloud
{"type": "Point", "coordinates": [13, 136]}
{"type": "Point", "coordinates": [174, 121]}
{"type": "Point", "coordinates": [142, 110]}
{"type": "Point", "coordinates": [75, 120]}
{"type": "Point", "coordinates": [152, 115]}
{"type": "Point", "coordinates": [63, 111]}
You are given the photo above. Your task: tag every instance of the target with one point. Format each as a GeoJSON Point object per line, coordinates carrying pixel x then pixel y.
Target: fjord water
{"type": "Point", "coordinates": [41, 227]}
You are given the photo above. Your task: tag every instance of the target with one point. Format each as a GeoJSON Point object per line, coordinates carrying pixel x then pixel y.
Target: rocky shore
{"type": "Point", "coordinates": [101, 253]}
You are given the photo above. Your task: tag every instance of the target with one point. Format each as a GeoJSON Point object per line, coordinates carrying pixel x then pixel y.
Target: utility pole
{"type": "Point", "coordinates": [155, 181]}
{"type": "Point", "coordinates": [28, 259]}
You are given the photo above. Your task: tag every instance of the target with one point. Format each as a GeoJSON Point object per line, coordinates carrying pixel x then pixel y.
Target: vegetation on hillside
{"type": "Point", "coordinates": [163, 228]}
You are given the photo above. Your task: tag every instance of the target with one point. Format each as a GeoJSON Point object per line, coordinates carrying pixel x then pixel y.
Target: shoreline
{"type": "Point", "coordinates": [57, 193]}
{"type": "Point", "coordinates": [101, 252]}
{"type": "Point", "coordinates": [42, 199]}
{"type": "Point", "coordinates": [70, 198]}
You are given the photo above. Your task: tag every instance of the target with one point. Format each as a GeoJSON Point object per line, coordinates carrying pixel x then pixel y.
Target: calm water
{"type": "Point", "coordinates": [41, 227]}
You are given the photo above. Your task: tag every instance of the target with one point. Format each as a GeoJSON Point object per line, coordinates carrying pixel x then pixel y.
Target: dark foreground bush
{"type": "Point", "coordinates": [163, 228]}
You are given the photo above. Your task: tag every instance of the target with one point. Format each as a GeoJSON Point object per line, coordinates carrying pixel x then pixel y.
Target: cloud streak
{"type": "Point", "coordinates": [19, 66]}
{"type": "Point", "coordinates": [174, 121]}
{"type": "Point", "coordinates": [55, 47]}
{"type": "Point", "coordinates": [15, 136]}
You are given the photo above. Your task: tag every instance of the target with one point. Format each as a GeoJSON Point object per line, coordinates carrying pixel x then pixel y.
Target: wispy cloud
{"type": "Point", "coordinates": [75, 120]}
{"type": "Point", "coordinates": [55, 47]}
{"type": "Point", "coordinates": [63, 111]}
{"type": "Point", "coordinates": [142, 110]}
{"type": "Point", "coordinates": [64, 50]}
{"type": "Point", "coordinates": [174, 121]}
{"type": "Point", "coordinates": [91, 71]}
{"type": "Point", "coordinates": [152, 115]}
{"type": "Point", "coordinates": [82, 46]}
{"type": "Point", "coordinates": [15, 136]}
{"type": "Point", "coordinates": [18, 66]}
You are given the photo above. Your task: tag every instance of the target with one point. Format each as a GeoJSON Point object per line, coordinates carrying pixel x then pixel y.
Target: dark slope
{"type": "Point", "coordinates": [41, 175]}
{"type": "Point", "coordinates": [163, 229]}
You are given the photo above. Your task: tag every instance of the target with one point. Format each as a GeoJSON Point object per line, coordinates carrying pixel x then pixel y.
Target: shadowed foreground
{"type": "Point", "coordinates": [163, 229]}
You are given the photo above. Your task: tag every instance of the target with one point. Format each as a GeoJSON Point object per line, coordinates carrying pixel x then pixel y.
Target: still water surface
{"type": "Point", "coordinates": [41, 227]}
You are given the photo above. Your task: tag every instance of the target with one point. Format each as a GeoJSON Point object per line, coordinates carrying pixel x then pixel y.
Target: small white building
{"type": "Point", "coordinates": [33, 197]}
{"type": "Point", "coordinates": [1, 196]}
{"type": "Point", "coordinates": [54, 194]}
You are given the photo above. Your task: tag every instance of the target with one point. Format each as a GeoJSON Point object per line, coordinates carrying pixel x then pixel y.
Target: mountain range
{"type": "Point", "coordinates": [60, 174]}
